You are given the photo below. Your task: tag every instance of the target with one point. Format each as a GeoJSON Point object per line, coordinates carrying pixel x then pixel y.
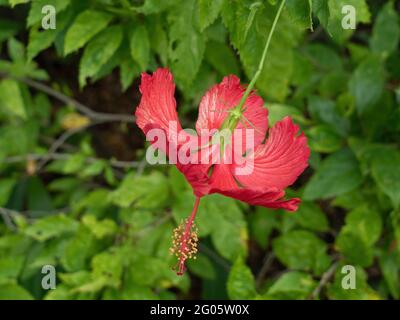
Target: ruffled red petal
{"type": "Point", "coordinates": [279, 161]}
{"type": "Point", "coordinates": [269, 198]}
{"type": "Point", "coordinates": [221, 98]}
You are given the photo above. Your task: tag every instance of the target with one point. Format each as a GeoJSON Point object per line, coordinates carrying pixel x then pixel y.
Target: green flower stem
{"type": "Point", "coordinates": [262, 61]}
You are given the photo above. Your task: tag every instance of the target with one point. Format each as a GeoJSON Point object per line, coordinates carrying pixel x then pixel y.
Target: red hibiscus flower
{"type": "Point", "coordinates": [277, 158]}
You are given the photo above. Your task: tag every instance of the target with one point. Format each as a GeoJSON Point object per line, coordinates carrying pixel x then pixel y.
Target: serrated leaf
{"type": "Point", "coordinates": [302, 250]}
{"type": "Point", "coordinates": [323, 139]}
{"type": "Point", "coordinates": [386, 32]}
{"type": "Point", "coordinates": [186, 43]}
{"type": "Point", "coordinates": [339, 173]}
{"type": "Point", "coordinates": [86, 25]}
{"type": "Point", "coordinates": [280, 55]}
{"type": "Point", "coordinates": [129, 70]}
{"type": "Point", "coordinates": [14, 292]}
{"type": "Point", "coordinates": [35, 12]}
{"type": "Point", "coordinates": [140, 46]}
{"type": "Point", "coordinates": [310, 216]}
{"type": "Point", "coordinates": [149, 191]}
{"type": "Point", "coordinates": [221, 57]}
{"type": "Point", "coordinates": [51, 226]}
{"type": "Point", "coordinates": [241, 283]}
{"type": "Point", "coordinates": [367, 83]}
{"type": "Point", "coordinates": [386, 172]}
{"type": "Point", "coordinates": [98, 52]}
{"type": "Point", "coordinates": [362, 291]}
{"type": "Point", "coordinates": [292, 285]}
{"type": "Point", "coordinates": [301, 12]}
{"type": "Point", "coordinates": [11, 100]}
{"type": "Point", "coordinates": [208, 11]}
{"type": "Point", "coordinates": [335, 28]}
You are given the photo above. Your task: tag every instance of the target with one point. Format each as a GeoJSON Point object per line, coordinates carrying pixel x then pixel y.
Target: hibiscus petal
{"type": "Point", "coordinates": [269, 198]}
{"type": "Point", "coordinates": [279, 161]}
{"type": "Point", "coordinates": [157, 106]}
{"type": "Point", "coordinates": [225, 96]}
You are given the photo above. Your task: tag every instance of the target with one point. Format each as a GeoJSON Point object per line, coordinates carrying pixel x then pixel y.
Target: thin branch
{"type": "Point", "coordinates": [65, 156]}
{"type": "Point", "coordinates": [268, 260]}
{"type": "Point", "coordinates": [98, 116]}
{"type": "Point", "coordinates": [58, 143]}
{"type": "Point", "coordinates": [326, 277]}
{"type": "Point", "coordinates": [6, 214]}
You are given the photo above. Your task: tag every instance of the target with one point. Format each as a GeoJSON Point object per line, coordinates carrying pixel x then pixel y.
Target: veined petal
{"type": "Point", "coordinates": [157, 106]}
{"type": "Point", "coordinates": [279, 161]}
{"type": "Point", "coordinates": [157, 110]}
{"type": "Point", "coordinates": [221, 98]}
{"type": "Point", "coordinates": [269, 198]}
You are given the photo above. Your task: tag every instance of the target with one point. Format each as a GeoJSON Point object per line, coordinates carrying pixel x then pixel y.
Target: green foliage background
{"type": "Point", "coordinates": [106, 225]}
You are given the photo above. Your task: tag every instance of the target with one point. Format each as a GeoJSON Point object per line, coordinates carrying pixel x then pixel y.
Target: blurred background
{"type": "Point", "coordinates": [76, 193]}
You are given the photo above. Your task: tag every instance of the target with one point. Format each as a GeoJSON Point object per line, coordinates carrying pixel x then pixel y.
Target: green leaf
{"type": "Point", "coordinates": [280, 56]}
{"type": "Point", "coordinates": [323, 139]}
{"type": "Point", "coordinates": [354, 249]}
{"type": "Point", "coordinates": [301, 12]}
{"type": "Point", "coordinates": [362, 291]}
{"type": "Point", "coordinates": [386, 32]}
{"type": "Point", "coordinates": [277, 112]}
{"type": "Point", "coordinates": [386, 172]}
{"type": "Point", "coordinates": [336, 16]}
{"type": "Point", "coordinates": [389, 263]}
{"type": "Point", "coordinates": [100, 229]}
{"type": "Point", "coordinates": [10, 267]}
{"type": "Point", "coordinates": [362, 229]}
{"type": "Point", "coordinates": [208, 11]}
{"type": "Point", "coordinates": [86, 25]}
{"type": "Point", "coordinates": [367, 83]}
{"type": "Point", "coordinates": [292, 285]}
{"type": "Point", "coordinates": [98, 52]}
{"type": "Point", "coordinates": [310, 216]}
{"type": "Point", "coordinates": [241, 285]}
{"type": "Point", "coordinates": [202, 267]}
{"type": "Point", "coordinates": [11, 100]}
{"type": "Point", "coordinates": [8, 28]}
{"type": "Point", "coordinates": [144, 191]}
{"type": "Point", "coordinates": [35, 12]}
{"type": "Point", "coordinates": [339, 173]}
{"type": "Point", "coordinates": [78, 250]}
{"type": "Point", "coordinates": [302, 250]}
{"type": "Point", "coordinates": [261, 224]}
{"type": "Point", "coordinates": [155, 6]}
{"type": "Point", "coordinates": [365, 222]}
{"type": "Point", "coordinates": [323, 57]}
{"type": "Point", "coordinates": [39, 40]}
{"type": "Point", "coordinates": [186, 43]}
{"type": "Point", "coordinates": [129, 70]}
{"type": "Point", "coordinates": [325, 111]}
{"type": "Point", "coordinates": [6, 187]}
{"type": "Point", "coordinates": [321, 10]}
{"type": "Point", "coordinates": [107, 266]}
{"type": "Point", "coordinates": [221, 57]}
{"type": "Point", "coordinates": [14, 292]}
{"type": "Point", "coordinates": [52, 226]}
{"type": "Point", "coordinates": [16, 50]}
{"type": "Point", "coordinates": [140, 46]}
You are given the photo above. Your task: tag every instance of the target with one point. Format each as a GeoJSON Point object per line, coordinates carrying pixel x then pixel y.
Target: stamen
{"type": "Point", "coordinates": [185, 239]}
